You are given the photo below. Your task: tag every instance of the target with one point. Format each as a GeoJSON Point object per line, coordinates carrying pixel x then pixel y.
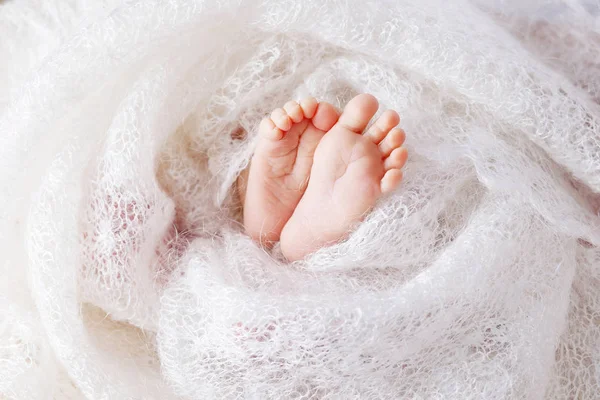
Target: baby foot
{"type": "Point", "coordinates": [280, 168]}
{"type": "Point", "coordinates": [351, 170]}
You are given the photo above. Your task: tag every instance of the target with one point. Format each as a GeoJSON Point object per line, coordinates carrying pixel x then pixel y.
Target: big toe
{"type": "Point", "coordinates": [325, 117]}
{"type": "Point", "coordinates": [358, 113]}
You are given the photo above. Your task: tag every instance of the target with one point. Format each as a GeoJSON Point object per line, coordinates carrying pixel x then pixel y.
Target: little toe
{"type": "Point", "coordinates": [391, 180]}
{"type": "Point", "coordinates": [294, 111]}
{"type": "Point", "coordinates": [358, 113]}
{"type": "Point", "coordinates": [309, 106]}
{"type": "Point", "coordinates": [268, 130]}
{"type": "Point", "coordinates": [281, 119]}
{"type": "Point", "coordinates": [325, 117]}
{"type": "Point", "coordinates": [396, 159]}
{"type": "Point", "coordinates": [382, 126]}
{"type": "Point", "coordinates": [392, 141]}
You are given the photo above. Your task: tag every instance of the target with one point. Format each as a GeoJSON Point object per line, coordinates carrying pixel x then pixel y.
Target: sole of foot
{"type": "Point", "coordinates": [280, 168]}
{"type": "Point", "coordinates": [352, 168]}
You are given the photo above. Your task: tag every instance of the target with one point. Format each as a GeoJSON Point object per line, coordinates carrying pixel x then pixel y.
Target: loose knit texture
{"type": "Point", "coordinates": [126, 273]}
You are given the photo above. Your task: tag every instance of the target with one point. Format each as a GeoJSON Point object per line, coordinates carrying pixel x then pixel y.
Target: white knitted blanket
{"type": "Point", "coordinates": [125, 273]}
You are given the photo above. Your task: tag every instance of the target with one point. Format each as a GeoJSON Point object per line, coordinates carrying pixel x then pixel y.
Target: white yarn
{"type": "Point", "coordinates": [126, 275]}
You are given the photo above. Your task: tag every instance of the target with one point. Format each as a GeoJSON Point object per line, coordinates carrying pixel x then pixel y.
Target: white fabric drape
{"type": "Point", "coordinates": [125, 271]}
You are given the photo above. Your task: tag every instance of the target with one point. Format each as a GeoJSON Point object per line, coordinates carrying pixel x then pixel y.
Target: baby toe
{"type": "Point", "coordinates": [267, 129]}
{"type": "Point", "coordinates": [281, 119]}
{"type": "Point", "coordinates": [392, 141]}
{"type": "Point", "coordinates": [309, 106]}
{"type": "Point", "coordinates": [358, 113]}
{"type": "Point", "coordinates": [391, 180]}
{"type": "Point", "coordinates": [325, 117]}
{"type": "Point", "coordinates": [294, 111]}
{"type": "Point", "coordinates": [396, 159]}
{"type": "Point", "coordinates": [382, 126]}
